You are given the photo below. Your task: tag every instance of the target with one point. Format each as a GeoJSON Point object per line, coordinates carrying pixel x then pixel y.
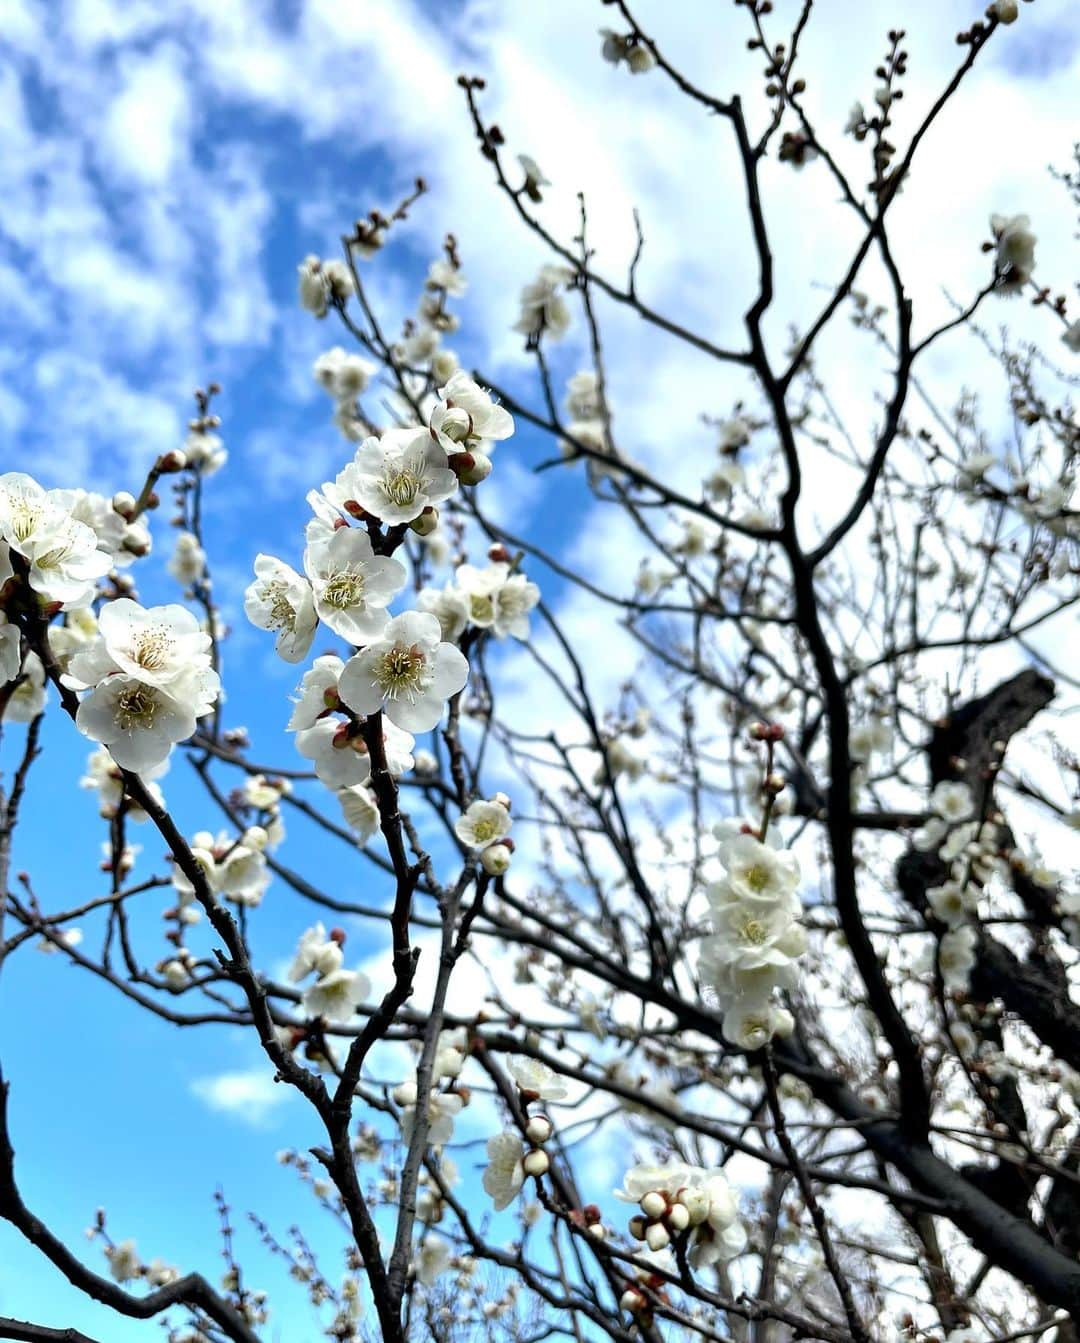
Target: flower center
{"type": "Point", "coordinates": [343, 590]}
{"type": "Point", "coordinates": [485, 830]}
{"type": "Point", "coordinates": [152, 648]}
{"type": "Point", "coordinates": [481, 607]}
{"type": "Point", "coordinates": [136, 706]}
{"type": "Point", "coordinates": [754, 932]}
{"type": "Point", "coordinates": [401, 672]}
{"type": "Point", "coordinates": [757, 877]}
{"type": "Point", "coordinates": [401, 487]}
{"type": "Point", "coordinates": [282, 614]}
{"type": "Point", "coordinates": [25, 517]}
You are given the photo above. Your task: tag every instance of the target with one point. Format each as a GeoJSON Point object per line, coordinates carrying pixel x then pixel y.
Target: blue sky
{"type": "Point", "coordinates": [163, 170]}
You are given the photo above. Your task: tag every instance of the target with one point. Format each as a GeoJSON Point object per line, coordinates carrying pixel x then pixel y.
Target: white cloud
{"type": "Point", "coordinates": [250, 1096]}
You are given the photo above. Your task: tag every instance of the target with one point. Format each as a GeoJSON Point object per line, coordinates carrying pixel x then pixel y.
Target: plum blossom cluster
{"type": "Point", "coordinates": [756, 941]}
{"type": "Point", "coordinates": [680, 1202]}
{"type": "Point", "coordinates": [484, 828]}
{"type": "Point", "coordinates": [444, 1103]}
{"type": "Point", "coordinates": [149, 676]}
{"type": "Point", "coordinates": [510, 1159]}
{"type": "Point", "coordinates": [233, 868]}
{"type": "Point", "coordinates": [970, 849]}
{"type": "Point", "coordinates": [335, 992]}
{"type": "Point", "coordinates": [493, 598]}
{"type": "Point", "coordinates": [617, 48]}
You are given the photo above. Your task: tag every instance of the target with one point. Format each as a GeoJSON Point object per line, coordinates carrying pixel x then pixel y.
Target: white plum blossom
{"type": "Point", "coordinates": [1014, 258]}
{"type": "Point", "coordinates": [443, 274]}
{"type": "Point", "coordinates": [104, 776]}
{"type": "Point", "coordinates": [315, 953]}
{"type": "Point", "coordinates": [27, 700]}
{"type": "Point", "coordinates": [431, 1259]}
{"type": "Point", "coordinates": [280, 599]}
{"type": "Point", "coordinates": [352, 585]}
{"type": "Point", "coordinates": [534, 178]}
{"type": "Point", "coordinates": [466, 419]}
{"type": "Point", "coordinates": [340, 754]}
{"type": "Point", "coordinates": [956, 956]}
{"type": "Point", "coordinates": [62, 556]}
{"type": "Point", "coordinates": [140, 723]}
{"type": "Point", "coordinates": [124, 1262]}
{"type": "Point", "coordinates": [188, 562]}
{"type": "Point", "coordinates": [535, 1079]}
{"type": "Point", "coordinates": [318, 692]}
{"type": "Point", "coordinates": [160, 645]}
{"type": "Point", "coordinates": [449, 606]}
{"type": "Point", "coordinates": [204, 450]}
{"type": "Point", "coordinates": [408, 673]}
{"type": "Point", "coordinates": [482, 823]}
{"type": "Point", "coordinates": [504, 1174]}
{"type": "Point", "coordinates": [10, 654]}
{"type": "Point", "coordinates": [334, 996]}
{"type": "Point", "coordinates": [360, 810]}
{"type": "Point", "coordinates": [544, 310]}
{"type": "Point", "coordinates": [395, 477]}
{"type": "Point", "coordinates": [952, 801]}
{"type": "Point", "coordinates": [323, 282]}
{"type": "Point", "coordinates": [345, 376]}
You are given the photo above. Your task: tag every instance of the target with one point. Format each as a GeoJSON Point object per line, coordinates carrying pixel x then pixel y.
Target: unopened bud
{"type": "Point", "coordinates": [498, 554]}
{"type": "Point", "coordinates": [538, 1129]}
{"type": "Point", "coordinates": [338, 935]}
{"type": "Point", "coordinates": [636, 1227]}
{"type": "Point", "coordinates": [656, 1236]}
{"type": "Point", "coordinates": [495, 859]}
{"type": "Point", "coordinates": [632, 1300]}
{"type": "Point", "coordinates": [123, 502]}
{"type": "Point", "coordinates": [678, 1218]}
{"type": "Point", "coordinates": [175, 460]}
{"type": "Point", "coordinates": [426, 523]}
{"type": "Point", "coordinates": [501, 800]}
{"type": "Point", "coordinates": [477, 468]}
{"type": "Point", "coordinates": [775, 783]}
{"type": "Point", "coordinates": [654, 1204]}
{"type": "Point", "coordinates": [536, 1163]}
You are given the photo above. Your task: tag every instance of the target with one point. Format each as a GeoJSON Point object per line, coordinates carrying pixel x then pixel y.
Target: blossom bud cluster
{"type": "Point", "coordinates": [756, 941]}
{"type": "Point", "coordinates": [509, 1159]}
{"type": "Point", "coordinates": [493, 598]}
{"type": "Point", "coordinates": [335, 992]}
{"type": "Point", "coordinates": [235, 869]}
{"type": "Point", "coordinates": [484, 827]}
{"type": "Point", "coordinates": [619, 47]}
{"type": "Point", "coordinates": [971, 851]}
{"type": "Point", "coordinates": [444, 1105]}
{"type": "Point", "coordinates": [677, 1200]}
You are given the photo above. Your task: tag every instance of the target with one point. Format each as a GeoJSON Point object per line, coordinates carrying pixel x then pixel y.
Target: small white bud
{"type": "Point", "coordinates": [536, 1163]}
{"type": "Point", "coordinates": [656, 1237]}
{"type": "Point", "coordinates": [654, 1204]}
{"type": "Point", "coordinates": [538, 1129]}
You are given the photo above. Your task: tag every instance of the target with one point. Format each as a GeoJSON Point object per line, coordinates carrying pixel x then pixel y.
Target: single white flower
{"type": "Point", "coordinates": [482, 823]}
{"type": "Point", "coordinates": [1014, 258]}
{"type": "Point", "coordinates": [757, 872]}
{"type": "Point", "coordinates": [431, 1259]}
{"type": "Point", "coordinates": [161, 646]}
{"type": "Point", "coordinates": [315, 952]}
{"type": "Point", "coordinates": [279, 599]}
{"type": "Point", "coordinates": [124, 1262]}
{"type": "Point", "coordinates": [318, 693]}
{"type": "Point", "coordinates": [340, 753]}
{"type": "Point", "coordinates": [449, 606]}
{"type": "Point", "coordinates": [188, 563]}
{"type": "Point", "coordinates": [536, 1079]}
{"type": "Point", "coordinates": [534, 178]}
{"type": "Point", "coordinates": [335, 996]}
{"type": "Point", "coordinates": [204, 451]}
{"type": "Point", "coordinates": [543, 308]}
{"type": "Point", "coordinates": [466, 419]}
{"type": "Point", "coordinates": [360, 811]}
{"type": "Point", "coordinates": [345, 376]}
{"type": "Point", "coordinates": [956, 956]}
{"type": "Point", "coordinates": [505, 1173]}
{"type": "Point", "coordinates": [752, 1022]}
{"type": "Point", "coordinates": [139, 722]}
{"type": "Point", "coordinates": [513, 602]}
{"type": "Point", "coordinates": [352, 585]}
{"type": "Point", "coordinates": [408, 673]}
{"type": "Point", "coordinates": [953, 801]}
{"type": "Point", "coordinates": [395, 477]}
{"type": "Point", "coordinates": [583, 396]}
